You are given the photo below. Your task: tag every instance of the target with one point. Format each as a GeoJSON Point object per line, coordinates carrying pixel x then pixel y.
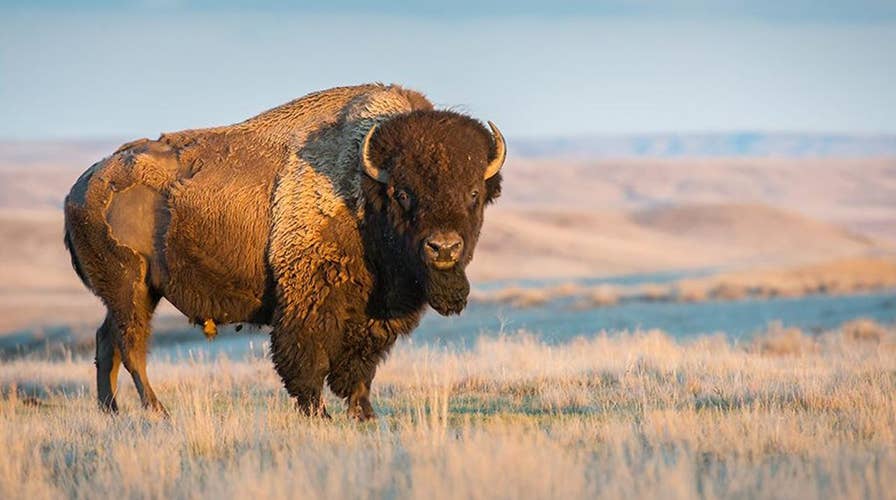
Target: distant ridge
{"type": "Point", "coordinates": [736, 144]}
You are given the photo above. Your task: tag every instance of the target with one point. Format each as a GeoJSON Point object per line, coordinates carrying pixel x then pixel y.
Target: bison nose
{"type": "Point", "coordinates": [443, 249]}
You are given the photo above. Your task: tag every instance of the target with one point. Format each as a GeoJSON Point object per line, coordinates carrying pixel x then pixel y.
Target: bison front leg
{"type": "Point", "coordinates": [303, 367]}
{"type": "Point", "coordinates": [357, 396]}
{"type": "Point", "coordinates": [359, 405]}
{"type": "Point", "coordinates": [350, 379]}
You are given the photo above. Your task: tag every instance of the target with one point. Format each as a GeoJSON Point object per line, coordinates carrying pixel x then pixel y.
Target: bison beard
{"type": "Point", "coordinates": [446, 291]}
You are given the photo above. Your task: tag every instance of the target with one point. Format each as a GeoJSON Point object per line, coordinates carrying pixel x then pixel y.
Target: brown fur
{"type": "Point", "coordinates": [272, 221]}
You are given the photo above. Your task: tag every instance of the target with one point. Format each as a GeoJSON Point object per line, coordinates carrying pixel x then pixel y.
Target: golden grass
{"type": "Point", "coordinates": [786, 415]}
{"type": "Point", "coordinates": [841, 276]}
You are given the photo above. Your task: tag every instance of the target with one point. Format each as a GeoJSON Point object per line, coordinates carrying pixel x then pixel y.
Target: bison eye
{"type": "Point", "coordinates": [474, 197]}
{"type": "Point", "coordinates": [403, 198]}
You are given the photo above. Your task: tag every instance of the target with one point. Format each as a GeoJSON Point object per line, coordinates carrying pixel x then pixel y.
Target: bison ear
{"type": "Point", "coordinates": [492, 188]}
{"type": "Point", "coordinates": [500, 152]}
{"type": "Point", "coordinates": [370, 168]}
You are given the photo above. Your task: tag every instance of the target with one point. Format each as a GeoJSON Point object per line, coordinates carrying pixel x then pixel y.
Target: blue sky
{"type": "Point", "coordinates": [123, 69]}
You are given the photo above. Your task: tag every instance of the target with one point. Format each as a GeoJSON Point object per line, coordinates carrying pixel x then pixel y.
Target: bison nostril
{"type": "Point", "coordinates": [433, 246]}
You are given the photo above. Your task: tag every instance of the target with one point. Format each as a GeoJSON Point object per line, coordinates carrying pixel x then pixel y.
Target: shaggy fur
{"type": "Point", "coordinates": [272, 221]}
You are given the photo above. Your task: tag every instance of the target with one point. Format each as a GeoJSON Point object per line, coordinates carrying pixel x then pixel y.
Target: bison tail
{"type": "Point", "coordinates": [76, 264]}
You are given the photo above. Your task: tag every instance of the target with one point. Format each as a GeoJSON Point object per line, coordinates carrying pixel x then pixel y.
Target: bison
{"type": "Point", "coordinates": [334, 218]}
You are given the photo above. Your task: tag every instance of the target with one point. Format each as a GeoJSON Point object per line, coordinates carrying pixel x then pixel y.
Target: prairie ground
{"type": "Point", "coordinates": [786, 415]}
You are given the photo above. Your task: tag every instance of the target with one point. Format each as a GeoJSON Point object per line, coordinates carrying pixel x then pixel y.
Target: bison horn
{"type": "Point", "coordinates": [500, 152]}
{"type": "Point", "coordinates": [370, 169]}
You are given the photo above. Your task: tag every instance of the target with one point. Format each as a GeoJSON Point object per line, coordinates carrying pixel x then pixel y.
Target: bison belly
{"type": "Point", "coordinates": [215, 246]}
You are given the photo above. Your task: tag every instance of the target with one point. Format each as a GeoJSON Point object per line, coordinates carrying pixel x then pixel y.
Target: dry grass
{"type": "Point", "coordinates": [841, 276]}
{"type": "Point", "coordinates": [787, 415]}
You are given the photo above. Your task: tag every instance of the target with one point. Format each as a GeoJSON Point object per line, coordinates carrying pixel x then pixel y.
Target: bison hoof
{"type": "Point", "coordinates": [153, 405]}
{"type": "Point", "coordinates": [362, 412]}
{"type": "Point", "coordinates": [110, 407]}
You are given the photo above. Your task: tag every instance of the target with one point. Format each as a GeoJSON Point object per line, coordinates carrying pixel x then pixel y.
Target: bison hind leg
{"type": "Point", "coordinates": [120, 280]}
{"type": "Point", "coordinates": [133, 343]}
{"type": "Point", "coordinates": [123, 338]}
{"type": "Point", "coordinates": [108, 361]}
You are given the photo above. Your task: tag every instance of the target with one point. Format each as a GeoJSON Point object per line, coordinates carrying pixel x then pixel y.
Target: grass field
{"type": "Point", "coordinates": [835, 277]}
{"type": "Point", "coordinates": [785, 415]}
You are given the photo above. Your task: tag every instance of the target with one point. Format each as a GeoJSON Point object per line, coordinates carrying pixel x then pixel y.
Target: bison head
{"type": "Point", "coordinates": [434, 172]}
